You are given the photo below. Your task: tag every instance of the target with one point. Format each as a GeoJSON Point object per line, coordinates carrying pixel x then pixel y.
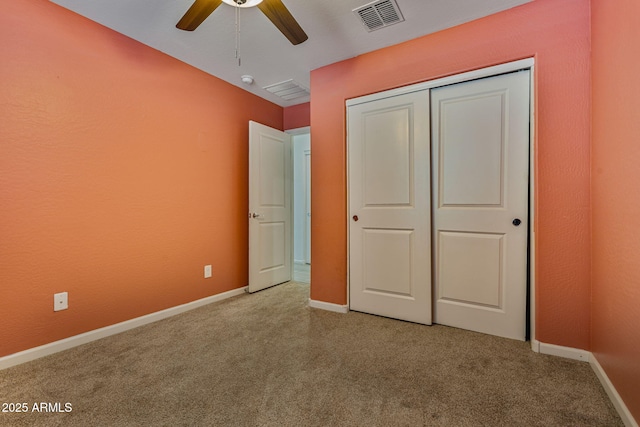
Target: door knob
{"type": "Point", "coordinates": [355, 217]}
{"type": "Point", "coordinates": [255, 215]}
{"type": "Point", "coordinates": [516, 222]}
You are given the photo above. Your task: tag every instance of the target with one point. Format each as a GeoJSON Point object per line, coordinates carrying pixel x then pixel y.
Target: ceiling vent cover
{"type": "Point", "coordinates": [379, 14]}
{"type": "Point", "coordinates": [288, 89]}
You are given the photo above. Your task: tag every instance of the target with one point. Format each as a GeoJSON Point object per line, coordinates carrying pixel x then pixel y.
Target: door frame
{"type": "Point", "coordinates": [527, 63]}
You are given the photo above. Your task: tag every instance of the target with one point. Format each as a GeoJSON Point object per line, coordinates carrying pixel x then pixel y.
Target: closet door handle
{"type": "Point", "coordinates": [355, 218]}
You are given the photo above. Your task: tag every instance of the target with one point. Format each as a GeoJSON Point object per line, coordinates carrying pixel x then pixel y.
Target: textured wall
{"type": "Point", "coordinates": [557, 34]}
{"type": "Point", "coordinates": [122, 173]}
{"type": "Point", "coordinates": [297, 116]}
{"type": "Point", "coordinates": [615, 195]}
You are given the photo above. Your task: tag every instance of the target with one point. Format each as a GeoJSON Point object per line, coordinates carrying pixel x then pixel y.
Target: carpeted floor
{"type": "Point", "coordinates": [268, 359]}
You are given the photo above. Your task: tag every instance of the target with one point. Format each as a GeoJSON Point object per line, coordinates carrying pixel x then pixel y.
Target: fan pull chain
{"type": "Point", "coordinates": [238, 35]}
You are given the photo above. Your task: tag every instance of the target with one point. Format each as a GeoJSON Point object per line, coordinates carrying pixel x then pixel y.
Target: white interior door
{"type": "Point", "coordinates": [269, 207]}
{"type": "Point", "coordinates": [480, 198]}
{"type": "Point", "coordinates": [389, 203]}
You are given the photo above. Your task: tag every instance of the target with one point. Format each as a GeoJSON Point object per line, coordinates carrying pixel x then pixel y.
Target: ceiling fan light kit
{"type": "Point", "coordinates": [242, 3]}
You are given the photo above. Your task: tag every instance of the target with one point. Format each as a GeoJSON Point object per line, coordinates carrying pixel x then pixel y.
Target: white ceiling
{"type": "Point", "coordinates": [335, 33]}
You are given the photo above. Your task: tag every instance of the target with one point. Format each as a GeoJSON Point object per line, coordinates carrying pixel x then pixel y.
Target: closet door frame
{"type": "Point", "coordinates": [527, 63]}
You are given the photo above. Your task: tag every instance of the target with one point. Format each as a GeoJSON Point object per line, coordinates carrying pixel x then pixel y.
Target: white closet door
{"type": "Point", "coordinates": [480, 175]}
{"type": "Point", "coordinates": [389, 203]}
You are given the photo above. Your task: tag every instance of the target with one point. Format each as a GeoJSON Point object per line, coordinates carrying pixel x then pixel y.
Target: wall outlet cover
{"type": "Point", "coordinates": [207, 271]}
{"type": "Point", "coordinates": [60, 301]}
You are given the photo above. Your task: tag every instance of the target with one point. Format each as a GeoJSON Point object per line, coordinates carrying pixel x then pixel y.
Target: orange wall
{"type": "Point", "coordinates": [297, 116]}
{"type": "Point", "coordinates": [615, 178]}
{"type": "Point", "coordinates": [557, 34]}
{"type": "Point", "coordinates": [122, 173]}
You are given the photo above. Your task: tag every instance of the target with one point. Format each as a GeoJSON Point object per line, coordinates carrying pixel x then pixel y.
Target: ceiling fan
{"type": "Point", "coordinates": [277, 13]}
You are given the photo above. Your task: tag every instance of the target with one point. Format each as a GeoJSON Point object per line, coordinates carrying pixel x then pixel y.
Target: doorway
{"type": "Point", "coordinates": [279, 206]}
{"type": "Point", "coordinates": [301, 159]}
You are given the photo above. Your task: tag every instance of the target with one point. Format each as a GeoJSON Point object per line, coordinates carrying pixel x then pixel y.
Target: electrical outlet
{"type": "Point", "coordinates": [60, 301]}
{"type": "Point", "coordinates": [207, 271]}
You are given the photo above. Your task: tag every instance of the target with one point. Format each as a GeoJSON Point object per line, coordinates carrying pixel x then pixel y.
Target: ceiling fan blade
{"type": "Point", "coordinates": [198, 12]}
{"type": "Point", "coordinates": [283, 20]}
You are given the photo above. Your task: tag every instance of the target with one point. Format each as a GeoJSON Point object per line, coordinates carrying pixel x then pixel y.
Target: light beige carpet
{"type": "Point", "coordinates": [268, 359]}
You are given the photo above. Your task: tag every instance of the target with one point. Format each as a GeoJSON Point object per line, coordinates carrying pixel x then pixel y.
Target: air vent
{"type": "Point", "coordinates": [288, 90]}
{"type": "Point", "coordinates": [379, 14]}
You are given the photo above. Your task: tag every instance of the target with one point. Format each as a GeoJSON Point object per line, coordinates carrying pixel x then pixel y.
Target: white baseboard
{"type": "Point", "coordinates": [328, 306]}
{"type": "Point", "coordinates": [560, 351]}
{"type": "Point", "coordinates": [587, 356]}
{"type": "Point", "coordinates": [617, 401]}
{"type": "Point", "coordinates": [76, 340]}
